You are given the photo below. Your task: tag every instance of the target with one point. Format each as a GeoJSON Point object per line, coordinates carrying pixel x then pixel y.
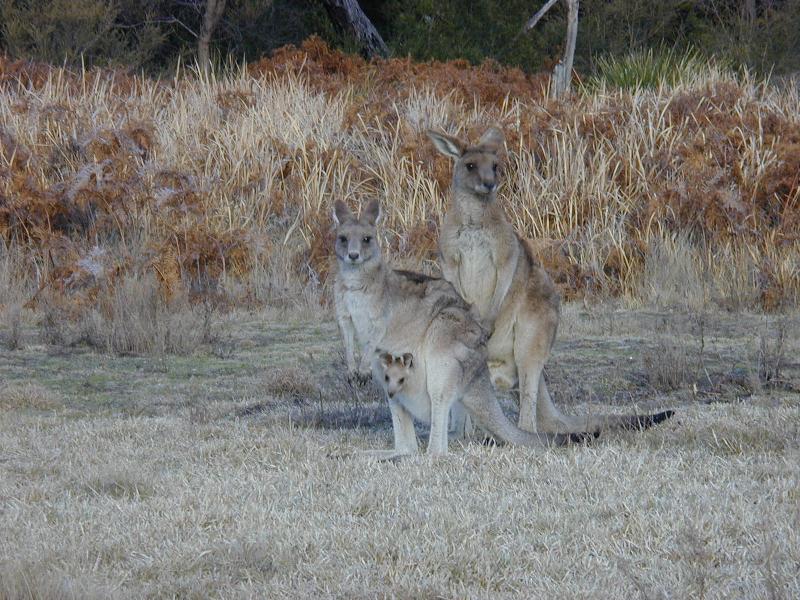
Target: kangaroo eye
{"type": "Point", "coordinates": [342, 239]}
{"type": "Point", "coordinates": [470, 166]}
{"type": "Point", "coordinates": [494, 167]}
{"type": "Point", "coordinates": [386, 378]}
{"type": "Point", "coordinates": [366, 239]}
{"type": "Point", "coordinates": [402, 379]}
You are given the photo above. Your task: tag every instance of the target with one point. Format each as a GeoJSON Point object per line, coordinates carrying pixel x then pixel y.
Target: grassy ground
{"type": "Point", "coordinates": [213, 475]}
{"type": "Point", "coordinates": [134, 212]}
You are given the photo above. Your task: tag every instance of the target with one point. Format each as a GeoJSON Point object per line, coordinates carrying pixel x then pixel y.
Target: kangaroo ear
{"type": "Point", "coordinates": [492, 138]}
{"type": "Point", "coordinates": [447, 144]}
{"type": "Point", "coordinates": [341, 212]}
{"type": "Point", "coordinates": [408, 359]}
{"type": "Point", "coordinates": [386, 359]}
{"type": "Point", "coordinates": [371, 213]}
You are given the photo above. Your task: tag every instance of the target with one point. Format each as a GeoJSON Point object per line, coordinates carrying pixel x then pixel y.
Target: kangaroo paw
{"type": "Point", "coordinates": [359, 379]}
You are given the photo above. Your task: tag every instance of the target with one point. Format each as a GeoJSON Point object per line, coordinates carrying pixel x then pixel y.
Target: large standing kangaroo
{"type": "Point", "coordinates": [495, 271]}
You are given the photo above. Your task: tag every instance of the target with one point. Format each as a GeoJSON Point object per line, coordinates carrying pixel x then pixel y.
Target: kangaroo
{"type": "Point", "coordinates": [428, 319]}
{"type": "Point", "coordinates": [361, 303]}
{"type": "Point", "coordinates": [406, 384]}
{"type": "Point", "coordinates": [495, 271]}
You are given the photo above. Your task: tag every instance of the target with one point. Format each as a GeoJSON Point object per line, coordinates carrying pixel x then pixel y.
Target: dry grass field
{"type": "Point", "coordinates": [223, 188]}
{"type": "Point", "coordinates": [174, 421]}
{"type": "Point", "coordinates": [221, 474]}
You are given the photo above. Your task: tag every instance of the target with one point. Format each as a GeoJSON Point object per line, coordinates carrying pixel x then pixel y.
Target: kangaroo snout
{"type": "Point", "coordinates": [485, 187]}
{"type": "Point", "coordinates": [352, 256]}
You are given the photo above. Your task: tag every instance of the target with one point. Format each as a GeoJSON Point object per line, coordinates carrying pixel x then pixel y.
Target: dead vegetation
{"type": "Point", "coordinates": [16, 285]}
{"type": "Point", "coordinates": [25, 580]}
{"type": "Point", "coordinates": [164, 507]}
{"type": "Point", "coordinates": [239, 475]}
{"type": "Point", "coordinates": [328, 400]}
{"type": "Point", "coordinates": [224, 188]}
{"type": "Point", "coordinates": [27, 396]}
{"type": "Point", "coordinates": [666, 366]}
{"type": "Point", "coordinates": [771, 356]}
{"type": "Point", "coordinates": [132, 317]}
{"type": "Point", "coordinates": [132, 210]}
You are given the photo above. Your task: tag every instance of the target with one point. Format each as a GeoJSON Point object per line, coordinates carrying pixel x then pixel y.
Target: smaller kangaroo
{"type": "Point", "coordinates": [395, 371]}
{"type": "Point", "coordinates": [405, 383]}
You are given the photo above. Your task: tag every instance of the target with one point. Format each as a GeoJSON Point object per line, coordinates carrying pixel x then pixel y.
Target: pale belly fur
{"type": "Point", "coordinates": [476, 271]}
{"type": "Point", "coordinates": [366, 320]}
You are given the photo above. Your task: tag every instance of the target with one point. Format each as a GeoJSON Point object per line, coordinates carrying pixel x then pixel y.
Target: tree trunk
{"type": "Point", "coordinates": [211, 17]}
{"type": "Point", "coordinates": [562, 74]}
{"type": "Point", "coordinates": [539, 14]}
{"type": "Point", "coordinates": [347, 14]}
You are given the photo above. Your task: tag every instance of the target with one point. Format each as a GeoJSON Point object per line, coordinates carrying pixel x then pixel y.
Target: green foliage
{"type": "Point", "coordinates": [452, 29]}
{"type": "Point", "coordinates": [92, 31]}
{"type": "Point", "coordinates": [648, 69]}
{"type": "Point", "coordinates": [769, 42]}
{"type": "Point", "coordinates": [248, 29]}
{"type": "Point", "coordinates": [624, 26]}
{"type": "Point", "coordinates": [252, 28]}
{"type": "Point", "coordinates": [621, 27]}
{"type": "Point", "coordinates": [153, 34]}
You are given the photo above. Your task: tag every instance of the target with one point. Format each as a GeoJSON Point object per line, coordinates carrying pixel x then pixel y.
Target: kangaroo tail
{"type": "Point", "coordinates": [555, 420]}
{"type": "Point", "coordinates": [627, 422]}
{"type": "Point", "coordinates": [484, 407]}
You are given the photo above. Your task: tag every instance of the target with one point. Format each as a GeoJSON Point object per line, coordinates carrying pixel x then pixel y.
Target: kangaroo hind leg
{"type": "Point", "coordinates": [531, 349]}
{"type": "Point", "coordinates": [444, 390]}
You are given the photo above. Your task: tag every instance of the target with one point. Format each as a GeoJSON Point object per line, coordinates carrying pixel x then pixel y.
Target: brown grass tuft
{"type": "Point", "coordinates": [667, 366]}
{"type": "Point", "coordinates": [290, 382]}
{"type": "Point", "coordinates": [131, 317]}
{"type": "Point", "coordinates": [24, 396]}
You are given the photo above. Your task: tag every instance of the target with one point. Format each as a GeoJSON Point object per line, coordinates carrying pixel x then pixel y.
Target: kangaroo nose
{"type": "Point", "coordinates": [391, 394]}
{"type": "Point", "coordinates": [353, 255]}
{"type": "Point", "coordinates": [489, 185]}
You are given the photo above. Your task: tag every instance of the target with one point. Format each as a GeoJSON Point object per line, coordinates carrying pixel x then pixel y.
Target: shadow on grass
{"type": "Point", "coordinates": [332, 400]}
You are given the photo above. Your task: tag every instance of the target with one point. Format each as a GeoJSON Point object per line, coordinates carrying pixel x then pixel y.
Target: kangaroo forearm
{"type": "Point", "coordinates": [367, 354]}
{"type": "Point", "coordinates": [505, 278]}
{"type": "Point", "coordinates": [348, 337]}
{"type": "Point", "coordinates": [450, 274]}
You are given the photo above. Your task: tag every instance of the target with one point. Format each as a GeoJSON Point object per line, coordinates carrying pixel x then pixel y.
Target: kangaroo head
{"type": "Point", "coordinates": [356, 237]}
{"type": "Point", "coordinates": [396, 370]}
{"type": "Point", "coordinates": [476, 167]}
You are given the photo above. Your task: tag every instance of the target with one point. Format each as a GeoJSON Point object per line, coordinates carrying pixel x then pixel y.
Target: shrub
{"type": "Point", "coordinates": [650, 69]}
{"type": "Point", "coordinates": [225, 187]}
{"type": "Point", "coordinates": [667, 366]}
{"type": "Point", "coordinates": [92, 31]}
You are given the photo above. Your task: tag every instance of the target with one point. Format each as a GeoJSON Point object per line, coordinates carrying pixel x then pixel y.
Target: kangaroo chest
{"type": "Point", "coordinates": [477, 274]}
{"type": "Point", "coordinates": [366, 315]}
